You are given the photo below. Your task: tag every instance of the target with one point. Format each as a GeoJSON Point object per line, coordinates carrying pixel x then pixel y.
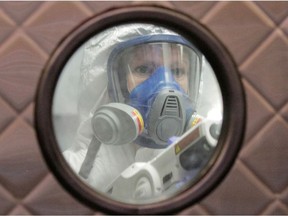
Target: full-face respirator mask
{"type": "Point", "coordinates": [153, 82]}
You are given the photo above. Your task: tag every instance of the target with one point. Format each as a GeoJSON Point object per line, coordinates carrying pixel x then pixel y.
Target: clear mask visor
{"type": "Point", "coordinates": [141, 61]}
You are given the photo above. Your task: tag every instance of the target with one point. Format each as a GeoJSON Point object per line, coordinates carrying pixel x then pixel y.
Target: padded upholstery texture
{"type": "Point", "coordinates": [256, 34]}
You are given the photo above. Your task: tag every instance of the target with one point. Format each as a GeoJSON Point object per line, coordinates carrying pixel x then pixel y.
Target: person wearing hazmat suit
{"type": "Point", "coordinates": [151, 69]}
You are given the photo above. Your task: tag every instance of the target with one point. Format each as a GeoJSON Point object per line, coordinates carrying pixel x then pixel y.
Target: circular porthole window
{"type": "Point", "coordinates": [140, 110]}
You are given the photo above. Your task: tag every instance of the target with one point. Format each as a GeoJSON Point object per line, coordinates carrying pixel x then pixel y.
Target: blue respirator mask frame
{"type": "Point", "coordinates": [154, 98]}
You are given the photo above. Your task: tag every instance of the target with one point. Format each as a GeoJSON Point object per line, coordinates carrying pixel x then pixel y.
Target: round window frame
{"type": "Point", "coordinates": [226, 72]}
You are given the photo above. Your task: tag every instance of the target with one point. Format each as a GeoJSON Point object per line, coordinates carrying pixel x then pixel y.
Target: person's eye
{"type": "Point", "coordinates": [178, 72]}
{"type": "Point", "coordinates": [143, 70]}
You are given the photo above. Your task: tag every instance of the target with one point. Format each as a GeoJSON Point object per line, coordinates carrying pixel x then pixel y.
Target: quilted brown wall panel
{"type": "Point", "coordinates": [256, 33]}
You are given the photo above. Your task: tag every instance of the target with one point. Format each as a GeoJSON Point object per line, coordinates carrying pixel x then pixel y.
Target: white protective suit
{"type": "Point", "coordinates": [111, 160]}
